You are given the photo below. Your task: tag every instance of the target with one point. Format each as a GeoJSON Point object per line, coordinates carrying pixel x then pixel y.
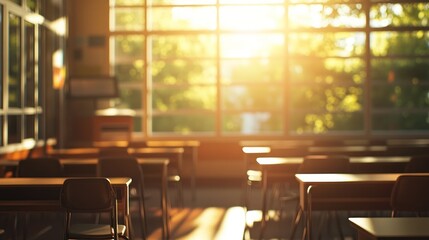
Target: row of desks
{"type": "Point", "coordinates": [42, 194]}
{"type": "Point", "coordinates": [355, 191]}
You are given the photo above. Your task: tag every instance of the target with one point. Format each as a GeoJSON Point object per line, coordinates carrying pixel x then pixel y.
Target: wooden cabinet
{"type": "Point", "coordinates": [113, 125]}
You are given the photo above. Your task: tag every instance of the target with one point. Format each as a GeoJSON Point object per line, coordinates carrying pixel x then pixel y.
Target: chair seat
{"type": "Point", "coordinates": [95, 231]}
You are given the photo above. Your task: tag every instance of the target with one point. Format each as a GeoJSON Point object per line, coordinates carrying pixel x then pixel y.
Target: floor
{"type": "Point", "coordinates": [217, 214]}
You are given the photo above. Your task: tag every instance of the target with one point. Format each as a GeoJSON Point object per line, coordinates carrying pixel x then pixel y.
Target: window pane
{"type": "Point", "coordinates": [137, 124]}
{"type": "Point", "coordinates": [330, 71]}
{"type": "Point", "coordinates": [128, 47]}
{"type": "Point", "coordinates": [183, 18]}
{"type": "Point", "coordinates": [252, 123]}
{"type": "Point", "coordinates": [14, 61]}
{"type": "Point", "coordinates": [393, 43]}
{"type": "Point", "coordinates": [252, 97]}
{"type": "Point", "coordinates": [250, 1]}
{"type": "Point", "coordinates": [127, 2]}
{"type": "Point", "coordinates": [183, 124]}
{"type": "Point", "coordinates": [252, 45]}
{"type": "Point", "coordinates": [400, 121]}
{"type": "Point", "coordinates": [14, 129]}
{"type": "Point", "coordinates": [180, 2]}
{"type": "Point", "coordinates": [400, 96]}
{"type": "Point", "coordinates": [130, 97]}
{"type": "Point", "coordinates": [31, 5]}
{"type": "Point", "coordinates": [400, 14]}
{"type": "Point", "coordinates": [29, 50]}
{"type": "Point", "coordinates": [321, 98]}
{"type": "Point", "coordinates": [132, 72]}
{"type": "Point", "coordinates": [29, 122]}
{"type": "Point", "coordinates": [320, 16]}
{"type": "Point", "coordinates": [342, 44]}
{"type": "Point", "coordinates": [183, 46]}
{"type": "Point", "coordinates": [252, 71]}
{"type": "Point", "coordinates": [127, 19]}
{"type": "Point", "coordinates": [310, 123]}
{"type": "Point", "coordinates": [405, 70]}
{"type": "Point", "coordinates": [184, 98]}
{"type": "Point", "coordinates": [181, 71]}
{"type": "Point", "coordinates": [19, 2]}
{"type": "Point", "coordinates": [251, 17]}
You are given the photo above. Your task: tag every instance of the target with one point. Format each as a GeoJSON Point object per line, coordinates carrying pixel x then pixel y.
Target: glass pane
{"type": "Point", "coordinates": [324, 123]}
{"type": "Point", "coordinates": [184, 98]}
{"type": "Point", "coordinates": [252, 123]}
{"type": "Point", "coordinates": [51, 10]}
{"type": "Point", "coordinates": [180, 2]}
{"type": "Point", "coordinates": [32, 5]}
{"type": "Point", "coordinates": [324, 98]}
{"type": "Point", "coordinates": [183, 46]}
{"type": "Point", "coordinates": [19, 2]}
{"type": "Point", "coordinates": [14, 129]}
{"type": "Point", "coordinates": [320, 15]}
{"type": "Point", "coordinates": [343, 44]}
{"type": "Point", "coordinates": [128, 47]}
{"type": "Point", "coordinates": [250, 1]}
{"type": "Point", "coordinates": [183, 18]}
{"type": "Point", "coordinates": [14, 61]}
{"type": "Point", "coordinates": [127, 19]}
{"type": "Point", "coordinates": [252, 71]}
{"type": "Point", "coordinates": [406, 70]}
{"type": "Point", "coordinates": [252, 97]}
{"type": "Point", "coordinates": [400, 96]}
{"type": "Point", "coordinates": [137, 124]}
{"type": "Point", "coordinates": [130, 72]}
{"type": "Point", "coordinates": [127, 2]}
{"type": "Point", "coordinates": [29, 122]}
{"type": "Point", "coordinates": [400, 43]}
{"type": "Point", "coordinates": [400, 14]}
{"type": "Point", "coordinates": [252, 45]}
{"type": "Point", "coordinates": [29, 49]}
{"type": "Point", "coordinates": [403, 121]}
{"type": "Point", "coordinates": [251, 17]}
{"type": "Point", "coordinates": [183, 125]}
{"type": "Point", "coordinates": [182, 71]}
{"type": "Point", "coordinates": [130, 98]}
{"type": "Point", "coordinates": [328, 71]}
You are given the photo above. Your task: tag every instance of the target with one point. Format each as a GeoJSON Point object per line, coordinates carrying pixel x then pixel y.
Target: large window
{"type": "Point", "coordinates": [23, 32]}
{"type": "Point", "coordinates": [273, 67]}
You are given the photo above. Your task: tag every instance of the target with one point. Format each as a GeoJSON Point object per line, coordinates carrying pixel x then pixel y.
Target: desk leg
{"type": "Point", "coordinates": [264, 203]}
{"type": "Point", "coordinates": [165, 205]}
{"type": "Point", "coordinates": [194, 174]}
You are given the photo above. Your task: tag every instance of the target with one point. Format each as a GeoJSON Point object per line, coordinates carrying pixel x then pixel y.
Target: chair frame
{"type": "Point", "coordinates": [83, 206]}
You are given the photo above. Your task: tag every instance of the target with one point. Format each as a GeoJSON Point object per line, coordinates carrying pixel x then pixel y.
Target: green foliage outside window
{"type": "Point", "coordinates": [314, 67]}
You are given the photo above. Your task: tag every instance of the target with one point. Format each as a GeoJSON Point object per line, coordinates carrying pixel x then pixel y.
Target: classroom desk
{"type": "Point", "coordinates": [155, 167]}
{"type": "Point", "coordinates": [188, 145]}
{"type": "Point", "coordinates": [348, 192]}
{"type": "Point", "coordinates": [43, 194]}
{"type": "Point", "coordinates": [152, 168]}
{"type": "Point", "coordinates": [385, 228]}
{"type": "Point", "coordinates": [287, 167]}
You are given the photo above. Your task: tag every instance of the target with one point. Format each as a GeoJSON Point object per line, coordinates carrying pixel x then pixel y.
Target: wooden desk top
{"type": "Point", "coordinates": [173, 143]}
{"type": "Point", "coordinates": [92, 161]}
{"type": "Point", "coordinates": [16, 182]}
{"type": "Point", "coordinates": [347, 178]}
{"type": "Point", "coordinates": [152, 150]}
{"type": "Point", "coordinates": [252, 150]}
{"type": "Point", "coordinates": [392, 228]}
{"type": "Point", "coordinates": [298, 160]}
